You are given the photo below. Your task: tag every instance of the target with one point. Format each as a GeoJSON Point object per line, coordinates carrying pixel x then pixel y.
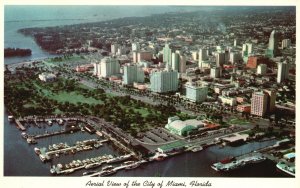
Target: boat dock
{"type": "Point", "coordinates": [20, 126]}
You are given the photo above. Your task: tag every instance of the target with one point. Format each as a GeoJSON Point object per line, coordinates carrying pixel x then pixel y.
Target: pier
{"type": "Point", "coordinates": [20, 126]}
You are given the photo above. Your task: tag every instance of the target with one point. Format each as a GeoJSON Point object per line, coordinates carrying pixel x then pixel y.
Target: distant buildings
{"type": "Point", "coordinates": [108, 67]}
{"type": "Point", "coordinates": [132, 73]}
{"type": "Point", "coordinates": [164, 81]}
{"type": "Point", "coordinates": [273, 50]}
{"type": "Point", "coordinates": [47, 77]}
{"type": "Point", "coordinates": [262, 69]}
{"type": "Point", "coordinates": [286, 43]}
{"type": "Point", "coordinates": [282, 71]}
{"type": "Point", "coordinates": [135, 46]}
{"type": "Point", "coordinates": [196, 93]}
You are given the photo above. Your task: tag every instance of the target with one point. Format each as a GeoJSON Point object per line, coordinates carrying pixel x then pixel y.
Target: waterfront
{"type": "Point", "coordinates": [191, 164]}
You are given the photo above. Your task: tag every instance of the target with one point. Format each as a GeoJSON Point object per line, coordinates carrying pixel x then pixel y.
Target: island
{"type": "Point", "coordinates": [12, 52]}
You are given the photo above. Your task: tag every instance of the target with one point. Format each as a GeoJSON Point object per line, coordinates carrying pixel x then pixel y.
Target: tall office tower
{"type": "Point", "coordinates": [144, 56]}
{"type": "Point", "coordinates": [182, 63]}
{"type": "Point", "coordinates": [164, 81]}
{"type": "Point", "coordinates": [273, 50]}
{"type": "Point", "coordinates": [196, 93]}
{"type": "Point", "coordinates": [220, 59]}
{"type": "Point", "coordinates": [114, 48]}
{"type": "Point", "coordinates": [133, 73]}
{"type": "Point", "coordinates": [247, 49]}
{"type": "Point", "coordinates": [135, 57]}
{"type": "Point", "coordinates": [262, 69]}
{"type": "Point", "coordinates": [108, 67]}
{"type": "Point", "coordinates": [226, 57]}
{"type": "Point", "coordinates": [259, 103]}
{"type": "Point", "coordinates": [282, 71]}
{"type": "Point", "coordinates": [167, 54]}
{"type": "Point", "coordinates": [234, 57]}
{"type": "Point", "coordinates": [215, 72]}
{"type": "Point", "coordinates": [271, 96]}
{"type": "Point", "coordinates": [135, 46]}
{"type": "Point", "coordinates": [175, 61]}
{"type": "Point", "coordinates": [286, 43]}
{"type": "Point", "coordinates": [202, 57]}
{"type": "Point", "coordinates": [195, 55]}
{"type": "Point", "coordinates": [236, 42]}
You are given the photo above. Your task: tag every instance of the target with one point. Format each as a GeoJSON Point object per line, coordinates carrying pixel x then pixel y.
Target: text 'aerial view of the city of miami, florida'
{"type": "Point", "coordinates": [149, 91]}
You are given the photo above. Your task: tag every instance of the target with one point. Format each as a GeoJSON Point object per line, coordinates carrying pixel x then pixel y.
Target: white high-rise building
{"type": "Point", "coordinates": [114, 48]}
{"type": "Point", "coordinates": [247, 49]}
{"type": "Point", "coordinates": [282, 71]}
{"type": "Point", "coordinates": [202, 57]}
{"type": "Point", "coordinates": [175, 61]}
{"type": "Point", "coordinates": [108, 67]}
{"type": "Point", "coordinates": [196, 93]}
{"type": "Point", "coordinates": [135, 46]}
{"type": "Point", "coordinates": [236, 42]}
{"type": "Point", "coordinates": [195, 55]}
{"type": "Point", "coordinates": [95, 69]}
{"type": "Point", "coordinates": [259, 103]}
{"type": "Point", "coordinates": [167, 54]}
{"type": "Point", "coordinates": [134, 57]}
{"type": "Point", "coordinates": [262, 69]}
{"type": "Point", "coordinates": [164, 81]}
{"type": "Point", "coordinates": [133, 73]}
{"type": "Point", "coordinates": [234, 57]}
{"type": "Point", "coordinates": [286, 43]}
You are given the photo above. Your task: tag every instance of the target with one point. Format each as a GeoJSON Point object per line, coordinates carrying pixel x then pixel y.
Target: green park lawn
{"type": "Point", "coordinates": [238, 121]}
{"type": "Point", "coordinates": [74, 97]}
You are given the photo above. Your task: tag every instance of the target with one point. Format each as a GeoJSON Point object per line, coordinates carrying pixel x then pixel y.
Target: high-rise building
{"type": "Point", "coordinates": [220, 59]}
{"type": "Point", "coordinates": [215, 72]}
{"type": "Point", "coordinates": [247, 49]}
{"type": "Point", "coordinates": [134, 56]}
{"type": "Point", "coordinates": [114, 48]}
{"type": "Point", "coordinates": [236, 42]}
{"type": "Point", "coordinates": [286, 43]}
{"type": "Point", "coordinates": [202, 57]}
{"type": "Point", "coordinates": [135, 46]}
{"type": "Point", "coordinates": [195, 55]}
{"type": "Point", "coordinates": [167, 54]}
{"type": "Point", "coordinates": [95, 69]}
{"type": "Point", "coordinates": [234, 57]}
{"type": "Point", "coordinates": [271, 96]}
{"type": "Point", "coordinates": [196, 93]}
{"type": "Point", "coordinates": [259, 103]}
{"type": "Point", "coordinates": [164, 81]}
{"type": "Point", "coordinates": [133, 73]}
{"type": "Point", "coordinates": [175, 61]}
{"type": "Point", "coordinates": [282, 71]}
{"type": "Point", "coordinates": [262, 69]}
{"type": "Point", "coordinates": [273, 50]}
{"type": "Point", "coordinates": [108, 67]}
{"type": "Point", "coordinates": [182, 63]}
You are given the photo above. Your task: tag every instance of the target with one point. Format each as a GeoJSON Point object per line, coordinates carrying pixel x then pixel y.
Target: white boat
{"type": "Point", "coordinates": [133, 165]}
{"type": "Point", "coordinates": [109, 167]}
{"type": "Point", "coordinates": [37, 151]}
{"type": "Point", "coordinates": [10, 118]}
{"type": "Point", "coordinates": [49, 122]}
{"type": "Point", "coordinates": [89, 173]}
{"type": "Point", "coordinates": [119, 159]}
{"type": "Point", "coordinates": [196, 149]}
{"type": "Point", "coordinates": [93, 165]}
{"type": "Point", "coordinates": [283, 167]}
{"type": "Point", "coordinates": [107, 172]}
